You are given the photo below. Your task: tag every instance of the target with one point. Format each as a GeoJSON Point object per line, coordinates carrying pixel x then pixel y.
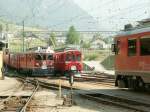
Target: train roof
{"type": "Point", "coordinates": [133, 31]}
{"type": "Point", "coordinates": [142, 27]}
{"type": "Point", "coordinates": [41, 49]}
{"type": "Point", "coordinates": [66, 49]}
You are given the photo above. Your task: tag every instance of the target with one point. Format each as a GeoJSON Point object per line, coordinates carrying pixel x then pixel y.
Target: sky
{"type": "Point", "coordinates": [114, 14]}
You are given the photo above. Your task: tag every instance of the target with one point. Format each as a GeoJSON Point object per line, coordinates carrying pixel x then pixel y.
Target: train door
{"type": "Point", "coordinates": [50, 61]}
{"type": "Point", "coordinates": [29, 62]}
{"type": "Point", "coordinates": [119, 63]}
{"type": "Point", "coordinates": [18, 61]}
{"type": "Point", "coordinates": [144, 60]}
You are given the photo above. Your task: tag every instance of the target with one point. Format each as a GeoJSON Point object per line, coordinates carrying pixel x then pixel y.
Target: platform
{"type": "Point", "coordinates": [8, 84]}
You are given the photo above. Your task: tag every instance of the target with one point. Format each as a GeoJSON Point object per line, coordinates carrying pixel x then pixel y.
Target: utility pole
{"type": "Point", "coordinates": [23, 36]}
{"type": "Point", "coordinates": [7, 38]}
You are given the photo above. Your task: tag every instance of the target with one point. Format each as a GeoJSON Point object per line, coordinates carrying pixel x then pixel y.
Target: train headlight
{"type": "Point", "coordinates": [73, 68]}
{"type": "Point", "coordinates": [37, 64]}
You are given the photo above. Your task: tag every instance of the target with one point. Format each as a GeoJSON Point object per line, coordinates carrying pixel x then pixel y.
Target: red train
{"type": "Point", "coordinates": [33, 62]}
{"type": "Point", "coordinates": [132, 57]}
{"type": "Point", "coordinates": [67, 60]}
{"type": "Point", "coordinates": [41, 63]}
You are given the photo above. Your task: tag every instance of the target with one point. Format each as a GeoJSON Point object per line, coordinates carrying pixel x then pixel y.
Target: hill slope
{"type": "Point", "coordinates": [55, 14]}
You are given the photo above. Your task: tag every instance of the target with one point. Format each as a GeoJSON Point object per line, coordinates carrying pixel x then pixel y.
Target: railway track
{"type": "Point", "coordinates": [15, 103]}
{"type": "Point", "coordinates": [107, 99]}
{"type": "Point", "coordinates": [99, 97]}
{"type": "Point", "coordinates": [23, 108]}
{"type": "Point", "coordinates": [117, 101]}
{"type": "Point", "coordinates": [99, 79]}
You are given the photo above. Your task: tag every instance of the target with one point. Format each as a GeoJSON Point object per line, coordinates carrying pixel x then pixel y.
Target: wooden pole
{"type": "Point", "coordinates": [59, 88]}
{"type": "Point", "coordinates": [23, 35]}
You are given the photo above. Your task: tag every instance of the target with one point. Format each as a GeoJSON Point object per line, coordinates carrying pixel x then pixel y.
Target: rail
{"type": "Point", "coordinates": [117, 101]}
{"type": "Point", "coordinates": [23, 109]}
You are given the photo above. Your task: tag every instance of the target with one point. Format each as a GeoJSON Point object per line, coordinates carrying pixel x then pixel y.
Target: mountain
{"type": "Point", "coordinates": [53, 14]}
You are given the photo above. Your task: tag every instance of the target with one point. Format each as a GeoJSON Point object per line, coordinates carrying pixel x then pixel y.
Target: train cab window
{"type": "Point", "coordinates": [38, 57]}
{"type": "Point", "coordinates": [78, 57]}
{"type": "Point", "coordinates": [132, 47]}
{"type": "Point", "coordinates": [68, 57]}
{"type": "Point", "coordinates": [145, 46]}
{"type": "Point", "coordinates": [50, 57]}
{"type": "Point", "coordinates": [73, 57]}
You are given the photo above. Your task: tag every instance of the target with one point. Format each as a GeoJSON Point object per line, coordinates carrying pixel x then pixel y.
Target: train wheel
{"type": "Point", "coordinates": [121, 83]}
{"type": "Point", "coordinates": [56, 73]}
{"type": "Point", "coordinates": [141, 84]}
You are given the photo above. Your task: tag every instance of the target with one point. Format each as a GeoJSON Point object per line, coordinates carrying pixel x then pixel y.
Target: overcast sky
{"type": "Point", "coordinates": [113, 14]}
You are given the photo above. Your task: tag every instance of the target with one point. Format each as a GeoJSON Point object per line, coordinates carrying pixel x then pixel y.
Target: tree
{"type": "Point", "coordinates": [7, 27]}
{"type": "Point", "coordinates": [86, 45]}
{"type": "Point", "coordinates": [1, 28]}
{"type": "Point", "coordinates": [97, 36]}
{"type": "Point", "coordinates": [52, 39]}
{"type": "Point", "coordinates": [72, 36]}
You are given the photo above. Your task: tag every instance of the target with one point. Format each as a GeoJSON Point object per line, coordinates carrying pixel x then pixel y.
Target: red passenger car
{"type": "Point", "coordinates": [67, 60]}
{"type": "Point", "coordinates": [38, 63]}
{"type": "Point", "coordinates": [132, 60]}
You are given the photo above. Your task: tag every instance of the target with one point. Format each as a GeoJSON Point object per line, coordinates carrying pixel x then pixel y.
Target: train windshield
{"type": "Point", "coordinates": [50, 57]}
{"type": "Point", "coordinates": [69, 57]}
{"type": "Point", "coordinates": [40, 57]}
{"type": "Point", "coordinates": [73, 57]}
{"type": "Point", "coordinates": [78, 57]}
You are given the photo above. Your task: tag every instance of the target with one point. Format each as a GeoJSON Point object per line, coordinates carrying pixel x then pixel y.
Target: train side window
{"type": "Point", "coordinates": [132, 47]}
{"type": "Point", "coordinates": [145, 46]}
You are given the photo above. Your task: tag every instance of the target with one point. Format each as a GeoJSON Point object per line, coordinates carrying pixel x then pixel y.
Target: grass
{"type": "Point", "coordinates": [90, 57]}
{"type": "Point", "coordinates": [95, 55]}
{"type": "Point", "coordinates": [108, 62]}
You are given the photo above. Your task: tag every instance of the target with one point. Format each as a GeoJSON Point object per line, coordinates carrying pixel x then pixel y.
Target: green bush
{"type": "Point", "coordinates": [108, 62]}
{"type": "Point", "coordinates": [90, 57]}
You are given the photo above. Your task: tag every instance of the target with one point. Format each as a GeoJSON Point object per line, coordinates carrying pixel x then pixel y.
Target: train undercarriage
{"type": "Point", "coordinates": [131, 81]}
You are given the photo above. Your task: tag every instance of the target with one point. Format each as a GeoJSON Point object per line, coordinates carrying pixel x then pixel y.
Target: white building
{"type": "Point", "coordinates": [99, 44]}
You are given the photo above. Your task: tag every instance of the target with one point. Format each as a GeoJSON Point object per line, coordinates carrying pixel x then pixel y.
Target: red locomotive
{"type": "Point", "coordinates": [66, 60]}
{"type": "Point", "coordinates": [132, 60]}
{"type": "Point", "coordinates": [36, 63]}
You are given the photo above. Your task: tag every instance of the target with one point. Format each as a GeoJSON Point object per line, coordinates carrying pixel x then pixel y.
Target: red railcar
{"type": "Point", "coordinates": [132, 60]}
{"type": "Point", "coordinates": [34, 63]}
{"type": "Point", "coordinates": [67, 60]}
